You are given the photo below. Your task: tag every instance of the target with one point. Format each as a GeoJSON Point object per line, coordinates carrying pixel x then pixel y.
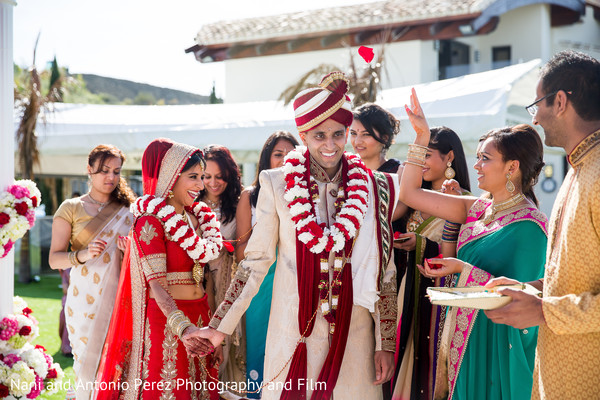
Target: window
{"type": "Point", "coordinates": [500, 57]}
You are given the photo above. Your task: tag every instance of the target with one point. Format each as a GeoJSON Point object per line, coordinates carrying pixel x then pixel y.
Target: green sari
{"type": "Point", "coordinates": [480, 359]}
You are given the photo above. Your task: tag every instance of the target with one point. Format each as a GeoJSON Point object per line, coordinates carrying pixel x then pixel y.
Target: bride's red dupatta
{"type": "Point", "coordinates": [117, 347]}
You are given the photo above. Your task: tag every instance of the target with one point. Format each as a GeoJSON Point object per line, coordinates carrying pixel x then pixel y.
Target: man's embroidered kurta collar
{"type": "Point", "coordinates": [320, 175]}
{"type": "Point", "coordinates": [583, 148]}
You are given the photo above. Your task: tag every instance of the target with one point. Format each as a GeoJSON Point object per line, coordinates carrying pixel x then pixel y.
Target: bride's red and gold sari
{"type": "Point", "coordinates": [143, 357]}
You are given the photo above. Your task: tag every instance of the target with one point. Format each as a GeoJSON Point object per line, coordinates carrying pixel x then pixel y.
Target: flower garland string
{"type": "Point", "coordinates": [351, 207]}
{"type": "Point", "coordinates": [200, 249]}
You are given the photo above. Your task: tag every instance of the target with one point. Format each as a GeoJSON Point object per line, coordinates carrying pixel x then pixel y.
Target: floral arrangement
{"type": "Point", "coordinates": [202, 249]}
{"type": "Point", "coordinates": [351, 208]}
{"type": "Point", "coordinates": [351, 205]}
{"type": "Point", "coordinates": [17, 212]}
{"type": "Point", "coordinates": [26, 370]}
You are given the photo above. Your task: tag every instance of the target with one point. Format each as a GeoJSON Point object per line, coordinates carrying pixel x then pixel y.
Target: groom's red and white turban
{"type": "Point", "coordinates": [328, 100]}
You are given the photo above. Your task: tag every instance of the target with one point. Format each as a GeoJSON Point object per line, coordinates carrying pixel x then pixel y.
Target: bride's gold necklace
{"type": "Point", "coordinates": [503, 205]}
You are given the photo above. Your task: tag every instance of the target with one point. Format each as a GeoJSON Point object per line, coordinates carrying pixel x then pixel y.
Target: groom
{"type": "Point", "coordinates": [333, 315]}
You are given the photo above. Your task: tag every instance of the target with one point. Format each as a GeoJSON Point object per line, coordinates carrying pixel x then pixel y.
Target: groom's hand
{"type": "Point", "coordinates": [196, 346]}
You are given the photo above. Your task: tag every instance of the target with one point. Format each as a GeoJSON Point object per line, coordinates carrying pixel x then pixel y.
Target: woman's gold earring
{"type": "Point", "coordinates": [449, 173]}
{"type": "Point", "coordinates": [170, 194]}
{"type": "Point", "coordinates": [509, 185]}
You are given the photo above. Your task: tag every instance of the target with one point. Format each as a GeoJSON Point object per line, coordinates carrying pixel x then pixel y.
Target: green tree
{"type": "Point", "coordinates": [144, 99]}
{"type": "Point", "coordinates": [213, 99]}
{"type": "Point", "coordinates": [365, 82]}
{"type": "Point", "coordinates": [29, 100]}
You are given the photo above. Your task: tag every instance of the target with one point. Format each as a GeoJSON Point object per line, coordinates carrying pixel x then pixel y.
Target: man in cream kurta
{"type": "Point", "coordinates": [567, 363]}
{"type": "Point", "coordinates": [371, 337]}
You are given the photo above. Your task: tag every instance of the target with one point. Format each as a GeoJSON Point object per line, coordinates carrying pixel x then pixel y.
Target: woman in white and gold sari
{"type": "Point", "coordinates": [93, 226]}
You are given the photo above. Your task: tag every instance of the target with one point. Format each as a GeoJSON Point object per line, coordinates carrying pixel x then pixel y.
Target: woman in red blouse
{"type": "Point", "coordinates": [164, 292]}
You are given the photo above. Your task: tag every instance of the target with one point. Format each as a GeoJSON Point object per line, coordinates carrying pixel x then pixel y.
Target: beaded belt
{"type": "Point", "coordinates": [180, 278]}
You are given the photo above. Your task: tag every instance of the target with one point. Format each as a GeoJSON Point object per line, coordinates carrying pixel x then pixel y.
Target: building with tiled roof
{"type": "Point", "coordinates": [426, 40]}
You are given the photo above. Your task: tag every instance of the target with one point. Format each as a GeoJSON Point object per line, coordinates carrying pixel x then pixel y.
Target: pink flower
{"type": "Point", "coordinates": [7, 247]}
{"type": "Point", "coordinates": [37, 388]}
{"type": "Point", "coordinates": [8, 328]}
{"type": "Point", "coordinates": [30, 217]}
{"type": "Point", "coordinates": [19, 191]}
{"type": "Point", "coordinates": [11, 359]}
{"type": "Point", "coordinates": [52, 374]}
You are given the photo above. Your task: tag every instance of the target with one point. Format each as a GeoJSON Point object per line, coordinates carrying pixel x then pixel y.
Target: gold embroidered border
{"type": "Point", "coordinates": [168, 372]}
{"type": "Point", "coordinates": [172, 163]}
{"type": "Point", "coordinates": [383, 190]}
{"type": "Point", "coordinates": [155, 266]}
{"type": "Point", "coordinates": [388, 311]}
{"type": "Point", "coordinates": [180, 278]}
{"type": "Point", "coordinates": [323, 116]}
{"type": "Point", "coordinates": [476, 229]}
{"type": "Point", "coordinates": [583, 148]}
{"type": "Point", "coordinates": [235, 289]}
{"type": "Point", "coordinates": [147, 346]}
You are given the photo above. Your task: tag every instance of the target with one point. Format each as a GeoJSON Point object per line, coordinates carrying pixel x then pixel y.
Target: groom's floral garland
{"type": "Point", "coordinates": [199, 249]}
{"type": "Point", "coordinates": [351, 208]}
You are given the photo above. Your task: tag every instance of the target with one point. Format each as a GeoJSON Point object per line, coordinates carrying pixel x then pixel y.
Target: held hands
{"type": "Point", "coordinates": [440, 267]}
{"type": "Point", "coordinates": [208, 337]}
{"type": "Point", "coordinates": [524, 311]}
{"type": "Point", "coordinates": [417, 117]}
{"type": "Point", "coordinates": [196, 346]}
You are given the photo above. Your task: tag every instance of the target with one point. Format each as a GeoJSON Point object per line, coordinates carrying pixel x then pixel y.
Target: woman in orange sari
{"type": "Point", "coordinates": [164, 292]}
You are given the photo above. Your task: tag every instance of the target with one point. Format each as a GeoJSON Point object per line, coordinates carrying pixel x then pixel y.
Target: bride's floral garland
{"type": "Point", "coordinates": [351, 208]}
{"type": "Point", "coordinates": [199, 249]}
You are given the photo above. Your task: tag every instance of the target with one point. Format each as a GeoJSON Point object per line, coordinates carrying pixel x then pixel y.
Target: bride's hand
{"type": "Point", "coordinates": [417, 117]}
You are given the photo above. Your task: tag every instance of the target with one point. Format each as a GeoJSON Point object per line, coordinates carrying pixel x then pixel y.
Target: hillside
{"type": "Point", "coordinates": [128, 92]}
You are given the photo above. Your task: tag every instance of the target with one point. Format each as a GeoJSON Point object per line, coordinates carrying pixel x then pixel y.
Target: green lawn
{"type": "Point", "coordinates": [44, 298]}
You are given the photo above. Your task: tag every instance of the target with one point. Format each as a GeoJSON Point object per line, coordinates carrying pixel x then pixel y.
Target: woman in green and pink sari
{"type": "Point", "coordinates": [502, 233]}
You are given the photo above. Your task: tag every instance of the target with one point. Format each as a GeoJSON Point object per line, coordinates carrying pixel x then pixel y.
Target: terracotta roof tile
{"type": "Point", "coordinates": [334, 19]}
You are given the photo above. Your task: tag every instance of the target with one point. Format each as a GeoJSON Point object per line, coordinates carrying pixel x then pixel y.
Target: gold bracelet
{"type": "Point", "coordinates": [417, 146]}
{"type": "Point", "coordinates": [77, 258]}
{"type": "Point", "coordinates": [72, 255]}
{"type": "Point", "coordinates": [414, 163]}
{"type": "Point", "coordinates": [178, 322]}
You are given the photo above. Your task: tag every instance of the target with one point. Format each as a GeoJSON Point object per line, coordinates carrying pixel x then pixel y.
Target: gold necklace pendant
{"type": "Point", "coordinates": [503, 205]}
{"type": "Point", "coordinates": [198, 273]}
{"type": "Point", "coordinates": [98, 203]}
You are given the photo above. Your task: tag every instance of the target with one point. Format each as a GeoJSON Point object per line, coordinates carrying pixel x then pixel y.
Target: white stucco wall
{"type": "Point", "coordinates": [526, 30]}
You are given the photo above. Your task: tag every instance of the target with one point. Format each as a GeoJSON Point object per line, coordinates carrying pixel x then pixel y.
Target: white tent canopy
{"type": "Point", "coordinates": [471, 105]}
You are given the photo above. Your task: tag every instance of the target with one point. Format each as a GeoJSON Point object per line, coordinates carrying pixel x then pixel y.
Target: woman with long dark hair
{"type": "Point", "coordinates": [421, 323]}
{"type": "Point", "coordinates": [503, 233]}
{"type": "Point", "coordinates": [162, 298]}
{"type": "Point", "coordinates": [92, 226]}
{"type": "Point", "coordinates": [222, 188]}
{"type": "Point", "coordinates": [257, 317]}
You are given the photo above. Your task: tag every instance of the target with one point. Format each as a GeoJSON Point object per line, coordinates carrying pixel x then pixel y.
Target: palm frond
{"type": "Point", "coordinates": [309, 79]}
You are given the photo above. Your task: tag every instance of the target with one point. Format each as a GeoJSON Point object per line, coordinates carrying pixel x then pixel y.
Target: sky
{"type": "Point", "coordinates": [142, 41]}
